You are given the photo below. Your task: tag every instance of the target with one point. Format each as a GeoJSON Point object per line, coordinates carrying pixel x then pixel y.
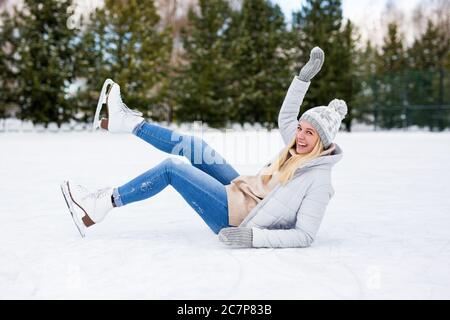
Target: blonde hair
{"type": "Point", "coordinates": [286, 167]}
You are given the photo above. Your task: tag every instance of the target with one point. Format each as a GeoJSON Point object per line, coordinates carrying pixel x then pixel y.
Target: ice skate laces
{"type": "Point", "coordinates": [126, 109]}
{"type": "Point", "coordinates": [82, 192]}
{"type": "Point", "coordinates": [101, 193]}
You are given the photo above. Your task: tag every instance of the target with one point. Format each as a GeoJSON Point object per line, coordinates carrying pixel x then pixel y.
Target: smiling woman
{"type": "Point", "coordinates": [306, 137]}
{"type": "Point", "coordinates": [281, 206]}
{"type": "Point", "coordinates": [316, 129]}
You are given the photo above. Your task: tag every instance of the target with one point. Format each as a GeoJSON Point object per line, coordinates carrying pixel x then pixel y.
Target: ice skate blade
{"type": "Point", "coordinates": [77, 219]}
{"type": "Point", "coordinates": [101, 101]}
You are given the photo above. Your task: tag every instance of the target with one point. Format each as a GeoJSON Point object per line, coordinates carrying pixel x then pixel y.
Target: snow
{"type": "Point", "coordinates": [386, 233]}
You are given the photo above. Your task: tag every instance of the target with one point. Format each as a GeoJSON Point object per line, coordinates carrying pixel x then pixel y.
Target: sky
{"type": "Point", "coordinates": [353, 9]}
{"type": "Point", "coordinates": [366, 14]}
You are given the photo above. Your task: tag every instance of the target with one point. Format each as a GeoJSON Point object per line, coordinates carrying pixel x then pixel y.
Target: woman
{"type": "Point", "coordinates": [281, 206]}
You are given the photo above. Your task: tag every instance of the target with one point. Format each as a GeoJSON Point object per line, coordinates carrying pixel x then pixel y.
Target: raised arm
{"type": "Point", "coordinates": [287, 118]}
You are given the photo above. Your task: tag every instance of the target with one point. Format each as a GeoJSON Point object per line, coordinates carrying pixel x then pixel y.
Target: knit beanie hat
{"type": "Point", "coordinates": [326, 120]}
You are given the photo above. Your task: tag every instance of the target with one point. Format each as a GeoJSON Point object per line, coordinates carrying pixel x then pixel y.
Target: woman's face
{"type": "Point", "coordinates": [306, 137]}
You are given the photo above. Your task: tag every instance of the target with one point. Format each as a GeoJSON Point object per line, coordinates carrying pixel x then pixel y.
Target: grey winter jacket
{"type": "Point", "coordinates": [290, 215]}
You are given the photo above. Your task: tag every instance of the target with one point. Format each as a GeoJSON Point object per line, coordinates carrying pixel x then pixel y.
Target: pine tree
{"type": "Point", "coordinates": [427, 79]}
{"type": "Point", "coordinates": [365, 103]}
{"type": "Point", "coordinates": [260, 62]}
{"type": "Point", "coordinates": [6, 76]}
{"type": "Point", "coordinates": [349, 70]}
{"type": "Point", "coordinates": [38, 56]}
{"type": "Point", "coordinates": [391, 65]}
{"type": "Point", "coordinates": [201, 84]}
{"type": "Point", "coordinates": [392, 58]}
{"type": "Point", "coordinates": [124, 41]}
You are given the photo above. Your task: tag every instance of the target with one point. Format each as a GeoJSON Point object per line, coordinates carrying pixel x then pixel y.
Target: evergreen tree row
{"type": "Point", "coordinates": [234, 64]}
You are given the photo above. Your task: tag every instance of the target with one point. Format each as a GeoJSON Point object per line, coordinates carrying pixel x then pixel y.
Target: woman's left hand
{"type": "Point", "coordinates": [235, 236]}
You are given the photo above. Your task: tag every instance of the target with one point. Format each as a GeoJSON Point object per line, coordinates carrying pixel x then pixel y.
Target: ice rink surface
{"type": "Point", "coordinates": [385, 235]}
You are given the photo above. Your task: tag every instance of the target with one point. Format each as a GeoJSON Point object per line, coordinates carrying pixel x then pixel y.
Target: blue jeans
{"type": "Point", "coordinates": [201, 183]}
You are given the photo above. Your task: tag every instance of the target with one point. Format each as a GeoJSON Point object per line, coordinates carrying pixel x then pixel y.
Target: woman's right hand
{"type": "Point", "coordinates": [313, 66]}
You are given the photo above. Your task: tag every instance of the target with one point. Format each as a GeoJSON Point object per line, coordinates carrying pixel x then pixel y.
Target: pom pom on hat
{"type": "Point", "coordinates": [340, 107]}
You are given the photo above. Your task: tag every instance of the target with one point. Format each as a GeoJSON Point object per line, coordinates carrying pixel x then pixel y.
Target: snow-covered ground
{"type": "Point", "coordinates": [386, 233]}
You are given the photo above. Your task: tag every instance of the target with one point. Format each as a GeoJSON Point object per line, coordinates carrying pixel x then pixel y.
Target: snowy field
{"type": "Point", "coordinates": [386, 233]}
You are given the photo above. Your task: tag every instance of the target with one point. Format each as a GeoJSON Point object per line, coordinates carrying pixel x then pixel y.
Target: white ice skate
{"type": "Point", "coordinates": [86, 208]}
{"type": "Point", "coordinates": [121, 119]}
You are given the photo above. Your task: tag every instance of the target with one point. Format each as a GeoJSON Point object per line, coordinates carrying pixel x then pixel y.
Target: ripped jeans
{"type": "Point", "coordinates": [201, 183]}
